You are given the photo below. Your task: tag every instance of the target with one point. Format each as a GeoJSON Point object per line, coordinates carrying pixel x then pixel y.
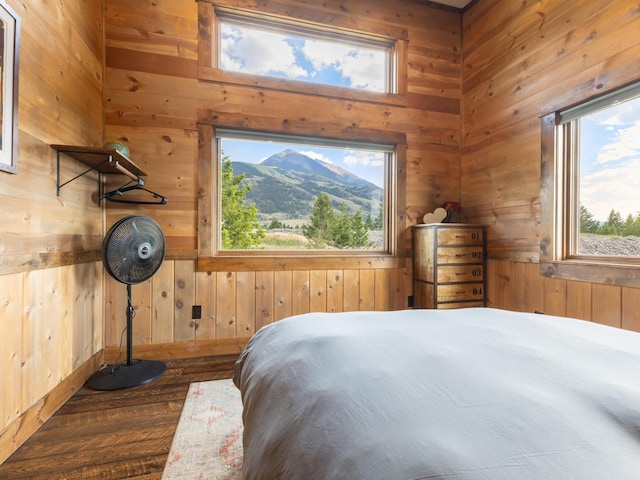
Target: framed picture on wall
{"type": "Point", "coordinates": [9, 61]}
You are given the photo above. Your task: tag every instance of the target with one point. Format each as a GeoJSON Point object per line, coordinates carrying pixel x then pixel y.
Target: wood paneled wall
{"type": "Point", "coordinates": [517, 61]}
{"type": "Point", "coordinates": [51, 284]}
{"type": "Point", "coordinates": [522, 60]}
{"type": "Point", "coordinates": [236, 304]}
{"type": "Point", "coordinates": [477, 84]}
{"type": "Point", "coordinates": [519, 286]}
{"type": "Point", "coordinates": [152, 101]}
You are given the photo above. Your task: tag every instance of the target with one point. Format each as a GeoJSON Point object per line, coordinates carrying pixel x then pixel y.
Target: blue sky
{"type": "Point", "coordinates": [366, 164]}
{"type": "Point", "coordinates": [610, 160]}
{"type": "Point", "coordinates": [266, 52]}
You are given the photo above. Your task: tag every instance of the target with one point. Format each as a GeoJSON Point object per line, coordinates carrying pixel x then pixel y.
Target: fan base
{"type": "Point", "coordinates": [137, 373]}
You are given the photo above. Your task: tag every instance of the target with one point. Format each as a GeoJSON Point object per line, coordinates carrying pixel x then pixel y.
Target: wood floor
{"type": "Point", "coordinates": [118, 434]}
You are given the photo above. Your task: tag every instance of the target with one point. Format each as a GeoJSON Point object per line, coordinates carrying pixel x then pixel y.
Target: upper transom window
{"type": "Point", "coordinates": [303, 52]}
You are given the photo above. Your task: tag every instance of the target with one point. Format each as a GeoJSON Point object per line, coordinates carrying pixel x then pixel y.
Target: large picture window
{"type": "Point", "coordinates": [286, 201]}
{"type": "Point", "coordinates": [285, 193]}
{"type": "Point", "coordinates": [591, 188]}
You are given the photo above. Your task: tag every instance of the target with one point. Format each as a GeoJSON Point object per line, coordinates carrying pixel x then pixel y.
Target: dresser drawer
{"type": "Point", "coordinates": [460, 273]}
{"type": "Point", "coordinates": [460, 236]}
{"type": "Point", "coordinates": [460, 254]}
{"type": "Point", "coordinates": [460, 292]}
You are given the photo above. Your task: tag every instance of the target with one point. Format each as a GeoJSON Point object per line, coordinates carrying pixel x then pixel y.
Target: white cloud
{"type": "Point", "coordinates": [615, 188]}
{"type": "Point", "coordinates": [263, 52]}
{"type": "Point", "coordinates": [370, 159]}
{"type": "Point", "coordinates": [617, 115]}
{"type": "Point", "coordinates": [316, 156]}
{"type": "Point", "coordinates": [626, 145]}
{"type": "Point", "coordinates": [361, 66]}
{"type": "Point", "coordinates": [258, 52]}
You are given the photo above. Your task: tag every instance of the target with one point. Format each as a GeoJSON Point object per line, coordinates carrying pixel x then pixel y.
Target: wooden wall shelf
{"type": "Point", "coordinates": [108, 161]}
{"type": "Point", "coordinates": [99, 159]}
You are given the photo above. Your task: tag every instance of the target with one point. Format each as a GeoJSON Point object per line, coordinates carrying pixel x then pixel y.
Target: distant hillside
{"type": "Point", "coordinates": [287, 184]}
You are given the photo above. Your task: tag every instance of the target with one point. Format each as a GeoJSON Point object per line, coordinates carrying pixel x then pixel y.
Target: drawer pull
{"type": "Point", "coordinates": [461, 254]}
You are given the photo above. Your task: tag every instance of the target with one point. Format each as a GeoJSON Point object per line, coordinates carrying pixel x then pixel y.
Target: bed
{"type": "Point", "coordinates": [468, 394]}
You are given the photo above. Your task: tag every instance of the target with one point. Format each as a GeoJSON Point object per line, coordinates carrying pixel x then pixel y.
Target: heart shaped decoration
{"type": "Point", "coordinates": [438, 215]}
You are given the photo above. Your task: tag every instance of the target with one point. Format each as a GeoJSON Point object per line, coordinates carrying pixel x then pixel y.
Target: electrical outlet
{"type": "Point", "coordinates": [196, 312]}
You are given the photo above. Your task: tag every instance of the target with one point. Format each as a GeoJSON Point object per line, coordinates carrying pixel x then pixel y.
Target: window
{"type": "Point", "coordinates": [301, 53]}
{"type": "Point", "coordinates": [590, 200]}
{"type": "Point", "coordinates": [218, 130]}
{"type": "Point", "coordinates": [273, 48]}
{"type": "Point", "coordinates": [286, 193]}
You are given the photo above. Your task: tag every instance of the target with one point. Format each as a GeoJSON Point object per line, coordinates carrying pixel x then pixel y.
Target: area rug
{"type": "Point", "coordinates": [208, 441]}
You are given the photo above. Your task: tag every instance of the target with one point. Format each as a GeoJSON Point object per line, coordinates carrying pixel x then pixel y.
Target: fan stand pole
{"type": "Point", "coordinates": [133, 372]}
{"type": "Point", "coordinates": [129, 327]}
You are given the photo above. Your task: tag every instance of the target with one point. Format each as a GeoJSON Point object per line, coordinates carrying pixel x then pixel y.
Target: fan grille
{"type": "Point", "coordinates": [133, 249]}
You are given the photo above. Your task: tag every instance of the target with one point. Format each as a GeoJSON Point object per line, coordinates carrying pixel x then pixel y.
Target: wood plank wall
{"type": "Point", "coordinates": [520, 61]}
{"type": "Point", "coordinates": [152, 100]}
{"type": "Point", "coordinates": [51, 290]}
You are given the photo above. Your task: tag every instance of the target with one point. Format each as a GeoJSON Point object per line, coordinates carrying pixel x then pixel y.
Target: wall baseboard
{"type": "Point", "coordinates": [168, 351]}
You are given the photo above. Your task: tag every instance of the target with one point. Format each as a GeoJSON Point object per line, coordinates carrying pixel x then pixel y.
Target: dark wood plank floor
{"type": "Point", "coordinates": [118, 434]}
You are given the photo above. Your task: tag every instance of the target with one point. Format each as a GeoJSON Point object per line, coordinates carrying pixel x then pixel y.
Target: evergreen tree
{"type": "Point", "coordinates": [359, 232]}
{"type": "Point", "coordinates": [613, 225]}
{"type": "Point", "coordinates": [588, 224]}
{"type": "Point", "coordinates": [377, 224]}
{"type": "Point", "coordinates": [338, 229]}
{"type": "Point", "coordinates": [631, 227]}
{"type": "Point", "coordinates": [275, 223]}
{"type": "Point", "coordinates": [368, 221]}
{"type": "Point", "coordinates": [318, 232]}
{"type": "Point", "coordinates": [240, 227]}
{"type": "Point", "coordinates": [341, 228]}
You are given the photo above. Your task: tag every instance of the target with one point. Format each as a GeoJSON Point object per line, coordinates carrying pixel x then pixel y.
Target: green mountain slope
{"type": "Point", "coordinates": [286, 186]}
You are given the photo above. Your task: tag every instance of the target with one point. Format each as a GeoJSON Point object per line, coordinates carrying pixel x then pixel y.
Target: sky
{"type": "Point", "coordinates": [263, 52]}
{"type": "Point", "coordinates": [366, 164]}
{"type": "Point", "coordinates": [610, 160]}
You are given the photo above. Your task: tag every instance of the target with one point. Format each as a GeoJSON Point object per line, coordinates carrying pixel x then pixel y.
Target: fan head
{"type": "Point", "coordinates": [133, 249]}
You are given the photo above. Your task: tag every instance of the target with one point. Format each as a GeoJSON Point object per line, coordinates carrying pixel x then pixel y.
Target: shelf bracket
{"type": "Point", "coordinates": [60, 185]}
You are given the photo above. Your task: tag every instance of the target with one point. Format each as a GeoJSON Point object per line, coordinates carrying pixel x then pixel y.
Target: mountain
{"type": "Point", "coordinates": [286, 185]}
{"type": "Point", "coordinates": [294, 161]}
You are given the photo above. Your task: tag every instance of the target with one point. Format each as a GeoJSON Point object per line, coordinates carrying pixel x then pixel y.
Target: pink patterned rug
{"type": "Point", "coordinates": [208, 441]}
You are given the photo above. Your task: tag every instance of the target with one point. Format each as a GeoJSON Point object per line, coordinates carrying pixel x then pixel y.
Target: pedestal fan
{"type": "Point", "coordinates": [132, 252]}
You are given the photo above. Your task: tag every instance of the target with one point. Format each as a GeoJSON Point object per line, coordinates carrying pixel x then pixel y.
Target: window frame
{"type": "Point", "coordinates": [305, 142]}
{"type": "Point", "coordinates": [212, 258]}
{"type": "Point", "coordinates": [209, 25]}
{"type": "Point", "coordinates": [559, 200]}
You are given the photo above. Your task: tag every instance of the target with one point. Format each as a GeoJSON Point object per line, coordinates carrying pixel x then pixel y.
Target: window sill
{"type": "Point", "coordinates": [279, 262]}
{"type": "Point", "coordinates": [216, 75]}
{"type": "Point", "coordinates": [624, 275]}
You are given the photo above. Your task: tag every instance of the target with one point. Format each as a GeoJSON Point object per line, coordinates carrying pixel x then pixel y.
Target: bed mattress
{"type": "Point", "coordinates": [469, 394]}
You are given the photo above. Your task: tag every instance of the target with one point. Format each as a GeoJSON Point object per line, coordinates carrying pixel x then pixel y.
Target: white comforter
{"type": "Point", "coordinates": [433, 394]}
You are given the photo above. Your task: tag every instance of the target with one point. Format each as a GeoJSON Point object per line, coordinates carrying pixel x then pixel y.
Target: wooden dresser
{"type": "Point", "coordinates": [449, 265]}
